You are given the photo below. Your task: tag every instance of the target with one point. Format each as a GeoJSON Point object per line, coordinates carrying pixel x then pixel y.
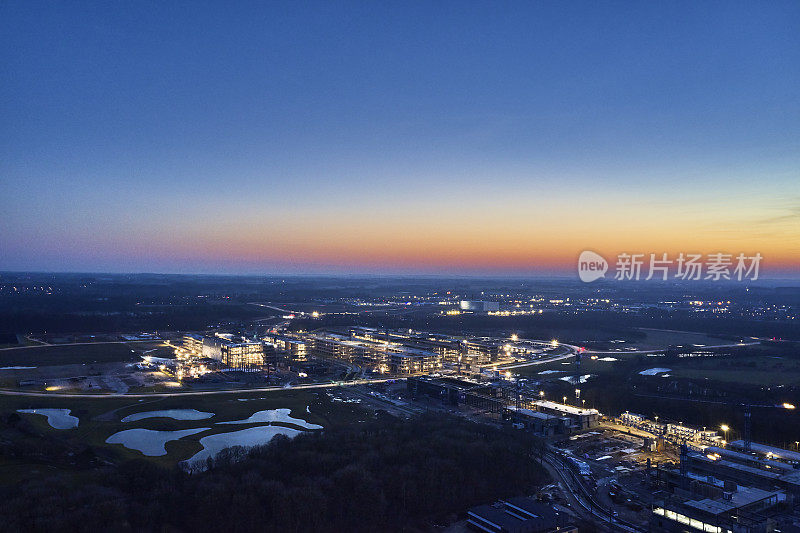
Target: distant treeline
{"type": "Point", "coordinates": [177, 317]}
{"type": "Point", "coordinates": [383, 475]}
{"type": "Point", "coordinates": [572, 326]}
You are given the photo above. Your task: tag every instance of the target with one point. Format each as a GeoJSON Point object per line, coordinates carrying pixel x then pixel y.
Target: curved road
{"type": "Point", "coordinates": [6, 392]}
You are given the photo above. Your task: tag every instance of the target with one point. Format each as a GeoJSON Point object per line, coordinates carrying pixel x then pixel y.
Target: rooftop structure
{"type": "Point", "coordinates": [478, 306]}
{"type": "Point", "coordinates": [760, 475]}
{"type": "Point", "coordinates": [705, 495]}
{"type": "Point", "coordinates": [518, 515]}
{"type": "Point", "coordinates": [564, 408]}
{"type": "Point", "coordinates": [580, 417]}
{"type": "Point", "coordinates": [540, 423]}
{"type": "Point", "coordinates": [768, 451]}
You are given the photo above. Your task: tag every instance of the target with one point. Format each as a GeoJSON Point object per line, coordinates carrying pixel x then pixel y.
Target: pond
{"type": "Point", "coordinates": [654, 371]}
{"type": "Point", "coordinates": [177, 414]}
{"type": "Point", "coordinates": [149, 442]}
{"type": "Point", "coordinates": [274, 415]}
{"type": "Point", "coordinates": [256, 436]}
{"type": "Point", "coordinates": [581, 379]}
{"type": "Point", "coordinates": [57, 418]}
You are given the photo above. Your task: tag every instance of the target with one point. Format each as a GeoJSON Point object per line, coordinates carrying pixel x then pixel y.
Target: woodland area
{"type": "Point", "coordinates": [383, 475]}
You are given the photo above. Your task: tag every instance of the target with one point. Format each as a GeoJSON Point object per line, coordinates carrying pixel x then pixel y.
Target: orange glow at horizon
{"type": "Point", "coordinates": [484, 243]}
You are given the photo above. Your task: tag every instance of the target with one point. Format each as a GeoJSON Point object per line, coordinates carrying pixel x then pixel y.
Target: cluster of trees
{"type": "Point", "coordinates": [381, 475]}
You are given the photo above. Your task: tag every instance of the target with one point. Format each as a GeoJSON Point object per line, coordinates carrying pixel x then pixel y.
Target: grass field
{"type": "Point", "coordinates": [763, 370]}
{"type": "Point", "coordinates": [659, 339]}
{"type": "Point", "coordinates": [100, 418]}
{"type": "Point", "coordinates": [52, 355]}
{"type": "Point", "coordinates": [588, 366]}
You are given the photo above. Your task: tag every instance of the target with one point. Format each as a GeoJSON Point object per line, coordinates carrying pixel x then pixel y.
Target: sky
{"type": "Point", "coordinates": [395, 137]}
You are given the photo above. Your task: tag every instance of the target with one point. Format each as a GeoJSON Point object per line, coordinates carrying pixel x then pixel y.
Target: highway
{"type": "Point", "coordinates": [6, 392]}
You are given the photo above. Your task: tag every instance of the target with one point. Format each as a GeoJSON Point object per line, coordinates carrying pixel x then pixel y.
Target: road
{"type": "Point", "coordinates": [6, 392]}
{"type": "Point", "coordinates": [576, 349]}
{"type": "Point", "coordinates": [571, 351]}
{"type": "Point", "coordinates": [536, 362]}
{"type": "Point", "coordinates": [284, 311]}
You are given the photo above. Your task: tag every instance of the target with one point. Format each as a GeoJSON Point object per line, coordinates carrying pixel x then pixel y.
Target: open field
{"type": "Point", "coordinates": [767, 369]}
{"type": "Point", "coordinates": [68, 354]}
{"type": "Point", "coordinates": [764, 370]}
{"type": "Point", "coordinates": [565, 367]}
{"type": "Point", "coordinates": [659, 339]}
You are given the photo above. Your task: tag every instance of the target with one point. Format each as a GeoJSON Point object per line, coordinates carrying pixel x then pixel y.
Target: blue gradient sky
{"type": "Point", "coordinates": [453, 137]}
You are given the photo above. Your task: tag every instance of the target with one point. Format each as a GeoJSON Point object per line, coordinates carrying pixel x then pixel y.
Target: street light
{"type": "Point", "coordinates": [725, 429]}
{"type": "Point", "coordinates": [565, 400]}
{"type": "Point", "coordinates": [541, 393]}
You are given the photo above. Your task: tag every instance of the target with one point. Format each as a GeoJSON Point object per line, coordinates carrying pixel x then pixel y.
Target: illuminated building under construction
{"type": "Point", "coordinates": [296, 349]}
{"type": "Point", "coordinates": [234, 353]}
{"type": "Point", "coordinates": [541, 416]}
{"type": "Point", "coordinates": [381, 356]}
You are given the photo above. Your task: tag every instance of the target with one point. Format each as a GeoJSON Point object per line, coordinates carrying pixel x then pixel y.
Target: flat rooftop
{"type": "Point", "coordinates": [516, 515]}
{"type": "Point", "coordinates": [758, 472]}
{"type": "Point", "coordinates": [743, 497]}
{"type": "Point", "coordinates": [533, 414]}
{"type": "Point", "coordinates": [569, 409]}
{"type": "Point", "coordinates": [765, 449]}
{"type": "Point", "coordinates": [745, 458]}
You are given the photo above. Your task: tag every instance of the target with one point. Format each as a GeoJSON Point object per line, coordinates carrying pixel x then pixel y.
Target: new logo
{"type": "Point", "coordinates": [591, 266]}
